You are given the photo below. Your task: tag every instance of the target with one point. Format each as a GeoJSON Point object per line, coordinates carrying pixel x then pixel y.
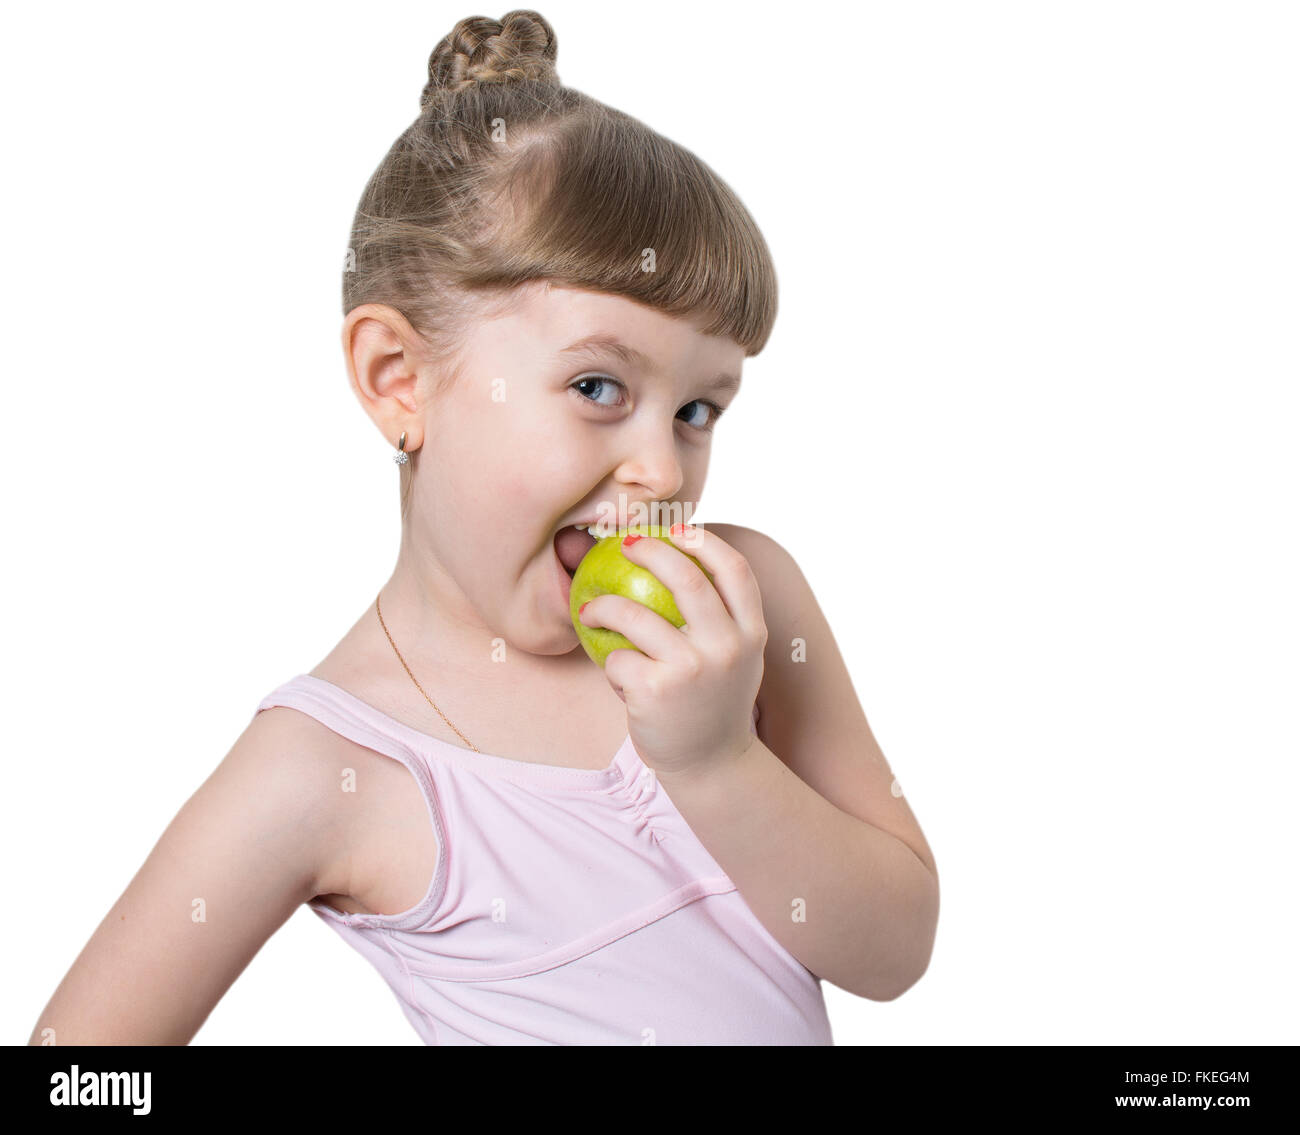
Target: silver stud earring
{"type": "Point", "coordinates": [400, 456]}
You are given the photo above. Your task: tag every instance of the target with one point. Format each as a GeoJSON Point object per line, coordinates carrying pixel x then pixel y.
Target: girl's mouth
{"type": "Point", "coordinates": [563, 580]}
{"type": "Point", "coordinates": [571, 545]}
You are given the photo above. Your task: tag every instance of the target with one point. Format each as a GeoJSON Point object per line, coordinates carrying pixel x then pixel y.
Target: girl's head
{"type": "Point", "coordinates": [515, 218]}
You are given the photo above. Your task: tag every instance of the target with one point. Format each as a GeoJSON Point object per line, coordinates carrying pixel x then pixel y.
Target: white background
{"type": "Point", "coordinates": [1027, 421]}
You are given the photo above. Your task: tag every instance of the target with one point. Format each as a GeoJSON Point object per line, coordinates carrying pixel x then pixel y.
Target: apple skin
{"type": "Point", "coordinates": [604, 570]}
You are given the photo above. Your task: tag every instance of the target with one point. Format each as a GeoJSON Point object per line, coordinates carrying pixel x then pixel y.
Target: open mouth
{"type": "Point", "coordinates": [571, 545]}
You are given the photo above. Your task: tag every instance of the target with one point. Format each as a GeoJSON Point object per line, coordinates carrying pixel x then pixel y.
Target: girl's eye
{"type": "Point", "coordinates": [602, 382]}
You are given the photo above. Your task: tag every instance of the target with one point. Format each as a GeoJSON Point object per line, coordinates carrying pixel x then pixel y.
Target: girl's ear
{"type": "Point", "coordinates": [381, 351]}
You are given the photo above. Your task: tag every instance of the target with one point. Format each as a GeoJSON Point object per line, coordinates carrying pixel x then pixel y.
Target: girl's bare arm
{"type": "Point", "coordinates": [258, 837]}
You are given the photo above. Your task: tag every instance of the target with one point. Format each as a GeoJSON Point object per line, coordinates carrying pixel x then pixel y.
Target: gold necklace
{"type": "Point", "coordinates": [412, 677]}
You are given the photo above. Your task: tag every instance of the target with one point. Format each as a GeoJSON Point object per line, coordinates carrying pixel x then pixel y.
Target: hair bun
{"type": "Point", "coordinates": [480, 50]}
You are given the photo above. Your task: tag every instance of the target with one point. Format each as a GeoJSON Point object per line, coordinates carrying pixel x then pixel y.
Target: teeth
{"type": "Point", "coordinates": [593, 528]}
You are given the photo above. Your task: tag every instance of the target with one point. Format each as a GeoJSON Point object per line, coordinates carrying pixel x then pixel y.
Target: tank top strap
{"type": "Point", "coordinates": [359, 722]}
{"type": "Point", "coordinates": [347, 716]}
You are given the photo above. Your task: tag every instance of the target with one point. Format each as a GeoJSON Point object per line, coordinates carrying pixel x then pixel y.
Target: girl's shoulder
{"type": "Point", "coordinates": [363, 793]}
{"type": "Point", "coordinates": [365, 796]}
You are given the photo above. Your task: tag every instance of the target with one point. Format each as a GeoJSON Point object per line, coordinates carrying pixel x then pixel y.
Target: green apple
{"type": "Point", "coordinates": [604, 570]}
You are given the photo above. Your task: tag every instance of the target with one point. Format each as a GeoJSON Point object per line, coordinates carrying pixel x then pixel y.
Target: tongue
{"type": "Point", "coordinates": [571, 546]}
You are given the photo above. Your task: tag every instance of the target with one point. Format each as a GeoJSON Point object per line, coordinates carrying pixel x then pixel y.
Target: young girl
{"type": "Point", "coordinates": [547, 306]}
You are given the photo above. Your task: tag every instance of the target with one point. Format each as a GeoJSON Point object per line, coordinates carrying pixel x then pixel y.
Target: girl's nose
{"type": "Point", "coordinates": [653, 464]}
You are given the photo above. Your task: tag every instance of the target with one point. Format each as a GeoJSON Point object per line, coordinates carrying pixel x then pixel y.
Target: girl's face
{"type": "Point", "coordinates": [535, 435]}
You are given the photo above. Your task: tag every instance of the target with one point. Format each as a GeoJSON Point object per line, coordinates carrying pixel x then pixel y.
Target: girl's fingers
{"type": "Point", "coordinates": [645, 629]}
{"type": "Point", "coordinates": [734, 588]}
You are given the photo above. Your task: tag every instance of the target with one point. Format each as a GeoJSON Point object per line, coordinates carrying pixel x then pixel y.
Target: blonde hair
{"type": "Point", "coordinates": [508, 176]}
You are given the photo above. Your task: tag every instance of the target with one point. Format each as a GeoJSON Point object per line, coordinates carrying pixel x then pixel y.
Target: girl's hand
{"type": "Point", "coordinates": [690, 695]}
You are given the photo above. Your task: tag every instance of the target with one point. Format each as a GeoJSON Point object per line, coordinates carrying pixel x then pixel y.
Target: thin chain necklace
{"type": "Point", "coordinates": [412, 677]}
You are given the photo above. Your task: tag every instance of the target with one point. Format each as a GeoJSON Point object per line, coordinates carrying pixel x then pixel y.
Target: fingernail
{"type": "Point", "coordinates": [584, 606]}
{"type": "Point", "coordinates": [630, 538]}
{"type": "Point", "coordinates": [677, 529]}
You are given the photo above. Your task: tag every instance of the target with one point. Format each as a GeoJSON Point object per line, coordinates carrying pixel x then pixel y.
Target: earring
{"type": "Point", "coordinates": [400, 456]}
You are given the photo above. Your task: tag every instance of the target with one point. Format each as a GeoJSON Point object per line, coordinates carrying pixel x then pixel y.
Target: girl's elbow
{"type": "Point", "coordinates": [917, 961]}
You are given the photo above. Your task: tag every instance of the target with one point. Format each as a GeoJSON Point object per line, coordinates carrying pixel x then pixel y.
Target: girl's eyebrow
{"type": "Point", "coordinates": [603, 343]}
